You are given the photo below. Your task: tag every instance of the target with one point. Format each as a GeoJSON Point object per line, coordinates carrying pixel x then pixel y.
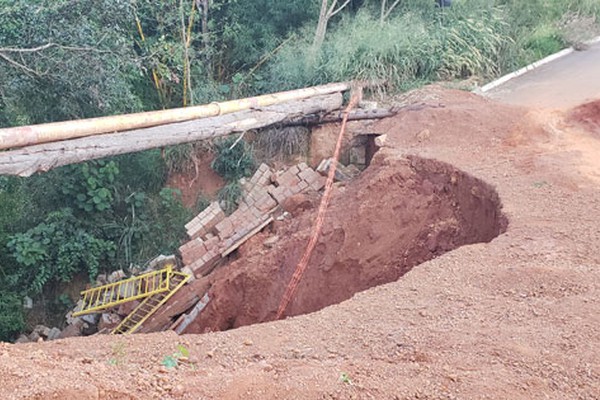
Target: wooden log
{"type": "Point", "coordinates": [336, 116]}
{"type": "Point", "coordinates": [57, 131]}
{"type": "Point", "coordinates": [26, 161]}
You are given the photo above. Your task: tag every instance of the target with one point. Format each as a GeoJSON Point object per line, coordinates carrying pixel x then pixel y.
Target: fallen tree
{"type": "Point", "coordinates": [43, 157]}
{"type": "Point", "coordinates": [44, 133]}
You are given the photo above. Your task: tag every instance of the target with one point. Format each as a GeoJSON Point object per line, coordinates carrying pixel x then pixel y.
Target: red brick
{"type": "Point", "coordinates": [192, 250]}
{"type": "Point", "coordinates": [302, 166]}
{"type": "Point", "coordinates": [278, 194]}
{"type": "Point", "coordinates": [319, 183]}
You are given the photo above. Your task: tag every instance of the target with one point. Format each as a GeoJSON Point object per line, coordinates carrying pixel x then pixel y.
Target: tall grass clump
{"type": "Point", "coordinates": [419, 43]}
{"type": "Point", "coordinates": [398, 51]}
{"type": "Point", "coordinates": [471, 42]}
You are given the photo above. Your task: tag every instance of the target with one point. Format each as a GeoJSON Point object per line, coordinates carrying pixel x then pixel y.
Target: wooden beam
{"type": "Point", "coordinates": [43, 157]}
{"type": "Point", "coordinates": [336, 116]}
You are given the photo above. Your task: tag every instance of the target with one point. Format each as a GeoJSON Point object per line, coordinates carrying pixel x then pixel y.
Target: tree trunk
{"type": "Point", "coordinates": [321, 26]}
{"type": "Point", "coordinates": [26, 161]}
{"type": "Point", "coordinates": [36, 134]}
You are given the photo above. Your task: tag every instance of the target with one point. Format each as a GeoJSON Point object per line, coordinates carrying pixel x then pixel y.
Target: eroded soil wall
{"type": "Point", "coordinates": [399, 213]}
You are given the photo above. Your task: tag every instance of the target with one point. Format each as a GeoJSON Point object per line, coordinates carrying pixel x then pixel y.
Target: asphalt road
{"type": "Point", "coordinates": [563, 83]}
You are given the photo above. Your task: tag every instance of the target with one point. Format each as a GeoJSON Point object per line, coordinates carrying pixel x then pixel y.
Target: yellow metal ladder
{"type": "Point", "coordinates": [150, 304]}
{"type": "Point", "coordinates": [153, 288]}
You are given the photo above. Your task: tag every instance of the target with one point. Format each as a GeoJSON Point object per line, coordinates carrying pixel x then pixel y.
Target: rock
{"type": "Point", "coordinates": [270, 242]}
{"type": "Point", "coordinates": [380, 140]}
{"type": "Point", "coordinates": [116, 276]}
{"type": "Point", "coordinates": [342, 173]}
{"type": "Point", "coordinates": [109, 321]}
{"type": "Point", "coordinates": [34, 336]}
{"type": "Point", "coordinates": [248, 342]}
{"type": "Point", "coordinates": [78, 307]}
{"type": "Point", "coordinates": [87, 329]}
{"type": "Point", "coordinates": [54, 333]}
{"type": "Point", "coordinates": [72, 330]}
{"type": "Point", "coordinates": [42, 330]}
{"type": "Point", "coordinates": [126, 308]}
{"type": "Point", "coordinates": [162, 261]}
{"type": "Point", "coordinates": [23, 339]}
{"type": "Point", "coordinates": [71, 320]}
{"type": "Point", "coordinates": [101, 280]}
{"type": "Point", "coordinates": [91, 319]}
{"type": "Point", "coordinates": [188, 271]}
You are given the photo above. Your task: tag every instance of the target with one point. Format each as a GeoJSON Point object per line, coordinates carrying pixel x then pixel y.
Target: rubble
{"type": "Point", "coordinates": [116, 276]}
{"type": "Point", "coordinates": [109, 321]}
{"type": "Point", "coordinates": [212, 236]}
{"type": "Point", "coordinates": [161, 262]}
{"type": "Point", "coordinates": [41, 333]}
{"type": "Point", "coordinates": [342, 173]}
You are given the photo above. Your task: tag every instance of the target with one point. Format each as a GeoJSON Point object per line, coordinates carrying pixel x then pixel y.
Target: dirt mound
{"type": "Point", "coordinates": [400, 213]}
{"type": "Point", "coordinates": [588, 115]}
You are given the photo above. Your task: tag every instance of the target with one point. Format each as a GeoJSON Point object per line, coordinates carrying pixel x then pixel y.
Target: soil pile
{"type": "Point", "coordinates": [588, 115]}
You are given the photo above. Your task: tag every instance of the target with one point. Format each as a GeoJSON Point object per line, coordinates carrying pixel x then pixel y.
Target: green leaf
{"type": "Point", "coordinates": [183, 351]}
{"type": "Point", "coordinates": [169, 362]}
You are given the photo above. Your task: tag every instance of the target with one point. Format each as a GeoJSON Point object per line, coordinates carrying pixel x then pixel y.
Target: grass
{"type": "Point", "coordinates": [420, 44]}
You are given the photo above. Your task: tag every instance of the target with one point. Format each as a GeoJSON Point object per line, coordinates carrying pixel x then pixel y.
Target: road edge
{"type": "Point", "coordinates": [553, 57]}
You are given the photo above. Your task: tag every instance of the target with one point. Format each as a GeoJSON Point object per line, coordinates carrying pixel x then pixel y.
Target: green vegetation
{"type": "Point", "coordinates": [63, 59]}
{"type": "Point", "coordinates": [234, 159]}
{"type": "Point", "coordinates": [174, 360]}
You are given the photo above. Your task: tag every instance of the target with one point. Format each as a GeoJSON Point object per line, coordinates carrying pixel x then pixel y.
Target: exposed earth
{"type": "Point", "coordinates": [510, 314]}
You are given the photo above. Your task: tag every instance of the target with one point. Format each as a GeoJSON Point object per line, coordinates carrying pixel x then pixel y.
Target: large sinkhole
{"type": "Point", "coordinates": [399, 213]}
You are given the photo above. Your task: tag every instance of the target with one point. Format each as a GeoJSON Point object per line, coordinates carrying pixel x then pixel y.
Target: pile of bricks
{"type": "Point", "coordinates": [205, 221]}
{"type": "Point", "coordinates": [214, 235]}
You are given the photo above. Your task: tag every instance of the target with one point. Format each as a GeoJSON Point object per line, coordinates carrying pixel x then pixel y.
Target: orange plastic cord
{"type": "Point", "coordinates": [318, 226]}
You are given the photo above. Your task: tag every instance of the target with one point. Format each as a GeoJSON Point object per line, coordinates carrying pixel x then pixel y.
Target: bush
{"type": "Point", "coordinates": [233, 160]}
{"type": "Point", "coordinates": [179, 158]}
{"type": "Point", "coordinates": [471, 45]}
{"type": "Point", "coordinates": [54, 251]}
{"type": "Point", "coordinates": [11, 316]}
{"type": "Point", "coordinates": [229, 197]}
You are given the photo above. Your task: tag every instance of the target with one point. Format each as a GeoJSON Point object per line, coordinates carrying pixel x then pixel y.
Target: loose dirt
{"type": "Point", "coordinates": [513, 316]}
{"type": "Point", "coordinates": [588, 115]}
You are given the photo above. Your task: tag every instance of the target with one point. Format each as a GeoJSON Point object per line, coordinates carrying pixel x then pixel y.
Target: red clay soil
{"type": "Point", "coordinates": [588, 115]}
{"type": "Point", "coordinates": [513, 318]}
{"type": "Point", "coordinates": [398, 214]}
{"type": "Point", "coordinates": [206, 182]}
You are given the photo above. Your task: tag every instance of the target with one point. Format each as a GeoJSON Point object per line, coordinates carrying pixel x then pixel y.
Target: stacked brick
{"type": "Point", "coordinates": [295, 180]}
{"type": "Point", "coordinates": [213, 235]}
{"type": "Point", "coordinates": [205, 221]}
